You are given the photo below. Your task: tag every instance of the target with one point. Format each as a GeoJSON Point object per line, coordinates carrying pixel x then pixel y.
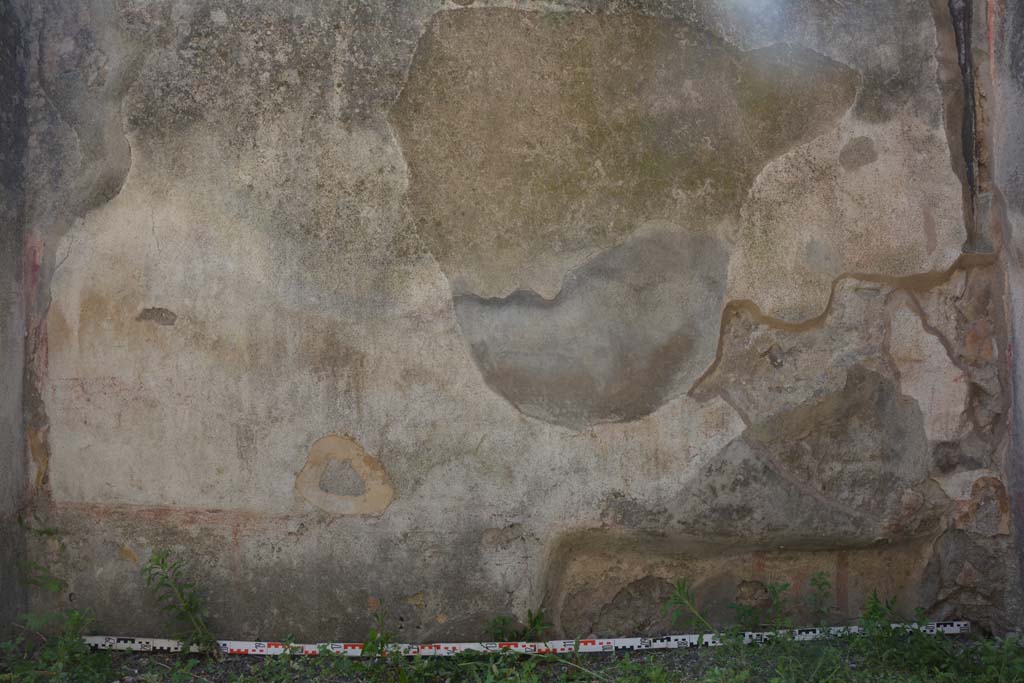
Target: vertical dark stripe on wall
{"type": "Point", "coordinates": [960, 11]}
{"type": "Point", "coordinates": [13, 136]}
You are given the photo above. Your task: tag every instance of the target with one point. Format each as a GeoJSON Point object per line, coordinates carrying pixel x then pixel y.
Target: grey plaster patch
{"type": "Point", "coordinates": [340, 479]}
{"type": "Point", "coordinates": [86, 66]}
{"type": "Point", "coordinates": [629, 329]}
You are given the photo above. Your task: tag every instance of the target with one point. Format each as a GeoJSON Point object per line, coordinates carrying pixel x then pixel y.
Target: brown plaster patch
{"type": "Point", "coordinates": [40, 452]}
{"type": "Point", "coordinates": [630, 329]}
{"type": "Point", "coordinates": [128, 554]}
{"type": "Point", "coordinates": [377, 493]}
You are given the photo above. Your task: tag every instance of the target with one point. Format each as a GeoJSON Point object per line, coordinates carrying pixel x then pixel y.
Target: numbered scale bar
{"type": "Point", "coordinates": [249, 647]}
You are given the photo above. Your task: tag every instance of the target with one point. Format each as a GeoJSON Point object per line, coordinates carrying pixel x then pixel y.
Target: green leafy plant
{"type": "Point", "coordinates": [727, 674]}
{"type": "Point", "coordinates": [819, 601]}
{"type": "Point", "coordinates": [747, 617]}
{"type": "Point", "coordinates": [820, 664]}
{"type": "Point", "coordinates": [881, 654]}
{"type": "Point", "coordinates": [503, 628]}
{"type": "Point", "coordinates": [179, 598]}
{"type": "Point", "coordinates": [777, 612]}
{"type": "Point", "coordinates": [63, 657]}
{"type": "Point", "coordinates": [775, 615]}
{"type": "Point", "coordinates": [40, 576]}
{"type": "Point", "coordinates": [646, 670]}
{"type": "Point", "coordinates": [878, 639]}
{"type": "Point", "coordinates": [379, 639]}
{"type": "Point", "coordinates": [536, 626]}
{"type": "Point", "coordinates": [682, 607]}
{"type": "Point", "coordinates": [1001, 661]}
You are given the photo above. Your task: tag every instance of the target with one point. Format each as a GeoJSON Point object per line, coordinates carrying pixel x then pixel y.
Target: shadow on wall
{"type": "Point", "coordinates": [13, 132]}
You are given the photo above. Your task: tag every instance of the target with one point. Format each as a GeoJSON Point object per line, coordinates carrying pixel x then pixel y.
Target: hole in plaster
{"type": "Point", "coordinates": [349, 460]}
{"type": "Point", "coordinates": [160, 316]}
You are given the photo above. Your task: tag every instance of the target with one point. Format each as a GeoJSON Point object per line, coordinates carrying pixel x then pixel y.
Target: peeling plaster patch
{"type": "Point", "coordinates": [592, 573]}
{"type": "Point", "coordinates": [377, 493]}
{"type": "Point", "coordinates": [927, 374]}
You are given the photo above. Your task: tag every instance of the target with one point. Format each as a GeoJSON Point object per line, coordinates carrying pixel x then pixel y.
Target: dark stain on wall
{"type": "Point", "coordinates": [13, 138]}
{"type": "Point", "coordinates": [858, 152]}
{"type": "Point", "coordinates": [160, 316]}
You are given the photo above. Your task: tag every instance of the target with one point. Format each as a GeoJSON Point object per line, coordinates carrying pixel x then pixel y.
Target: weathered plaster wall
{"type": "Point", "coordinates": [465, 308]}
{"type": "Point", "coordinates": [1006, 63]}
{"type": "Point", "coordinates": [12, 327]}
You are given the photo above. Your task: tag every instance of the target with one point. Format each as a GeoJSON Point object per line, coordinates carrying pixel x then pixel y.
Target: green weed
{"type": "Point", "coordinates": [52, 649]}
{"type": "Point", "coordinates": [820, 599]}
{"type": "Point", "coordinates": [179, 598]}
{"type": "Point", "coordinates": [63, 657]}
{"type": "Point", "coordinates": [503, 628]}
